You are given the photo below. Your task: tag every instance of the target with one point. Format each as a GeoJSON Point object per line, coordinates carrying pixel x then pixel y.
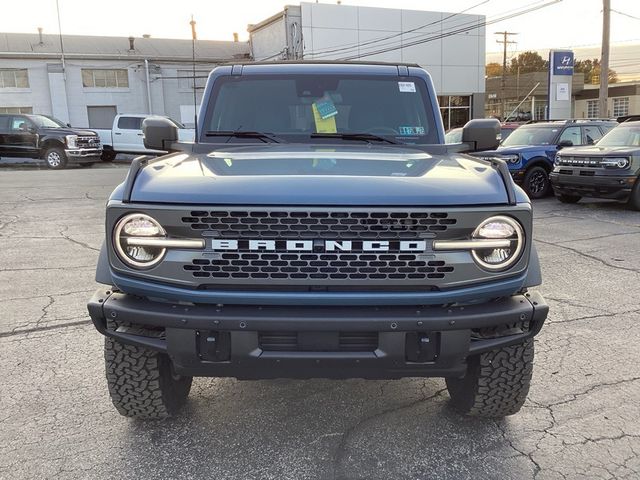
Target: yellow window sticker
{"type": "Point", "coordinates": [323, 125]}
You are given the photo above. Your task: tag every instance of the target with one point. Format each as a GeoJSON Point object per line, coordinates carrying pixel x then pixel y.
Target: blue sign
{"type": "Point", "coordinates": [562, 63]}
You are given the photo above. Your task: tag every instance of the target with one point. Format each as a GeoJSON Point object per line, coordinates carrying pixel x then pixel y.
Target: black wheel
{"type": "Point", "coordinates": [496, 383]}
{"type": "Point", "coordinates": [564, 198]}
{"type": "Point", "coordinates": [55, 158]}
{"type": "Point", "coordinates": [108, 155]}
{"type": "Point", "coordinates": [634, 199]}
{"type": "Point", "coordinates": [142, 383]}
{"type": "Point", "coordinates": [536, 182]}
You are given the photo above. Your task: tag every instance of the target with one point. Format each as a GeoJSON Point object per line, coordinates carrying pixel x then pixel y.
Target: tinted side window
{"type": "Point", "coordinates": [592, 134]}
{"type": "Point", "coordinates": [130, 123]}
{"type": "Point", "coordinates": [573, 134]}
{"type": "Point", "coordinates": [4, 123]}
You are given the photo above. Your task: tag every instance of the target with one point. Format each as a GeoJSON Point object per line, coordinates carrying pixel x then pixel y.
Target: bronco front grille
{"type": "Point", "coordinates": [332, 224]}
{"type": "Point", "coordinates": [319, 266]}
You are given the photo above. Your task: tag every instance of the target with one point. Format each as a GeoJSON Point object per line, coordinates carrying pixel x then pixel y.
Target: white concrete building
{"type": "Point", "coordinates": [103, 76]}
{"type": "Point", "coordinates": [450, 46]}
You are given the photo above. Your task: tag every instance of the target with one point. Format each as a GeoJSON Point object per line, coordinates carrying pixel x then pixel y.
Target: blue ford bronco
{"type": "Point", "coordinates": [531, 149]}
{"type": "Point", "coordinates": [318, 227]}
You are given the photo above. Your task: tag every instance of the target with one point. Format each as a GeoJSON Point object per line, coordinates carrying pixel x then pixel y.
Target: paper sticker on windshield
{"type": "Point", "coordinates": [405, 130]}
{"type": "Point", "coordinates": [326, 108]}
{"type": "Point", "coordinates": [407, 86]}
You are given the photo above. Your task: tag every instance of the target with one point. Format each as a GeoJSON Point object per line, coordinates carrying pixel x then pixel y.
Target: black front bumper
{"type": "Point", "coordinates": [252, 342]}
{"type": "Point", "coordinates": [615, 187]}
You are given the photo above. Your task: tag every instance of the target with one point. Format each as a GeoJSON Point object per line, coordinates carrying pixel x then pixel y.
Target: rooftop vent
{"type": "Point", "coordinates": [131, 46]}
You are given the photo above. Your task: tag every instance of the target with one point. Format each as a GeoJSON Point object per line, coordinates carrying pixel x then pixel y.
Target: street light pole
{"type": "Point", "coordinates": [604, 60]}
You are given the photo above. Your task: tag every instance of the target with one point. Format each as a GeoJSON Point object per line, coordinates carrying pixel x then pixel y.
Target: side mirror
{"type": "Point", "coordinates": [481, 134]}
{"type": "Point", "coordinates": [565, 143]}
{"type": "Point", "coordinates": [69, 125]}
{"type": "Point", "coordinates": [159, 133]}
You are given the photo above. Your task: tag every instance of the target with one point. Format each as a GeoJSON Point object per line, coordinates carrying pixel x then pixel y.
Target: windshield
{"type": "Point", "coordinates": [46, 122]}
{"type": "Point", "coordinates": [294, 107]}
{"type": "Point", "coordinates": [531, 135]}
{"type": "Point", "coordinates": [622, 136]}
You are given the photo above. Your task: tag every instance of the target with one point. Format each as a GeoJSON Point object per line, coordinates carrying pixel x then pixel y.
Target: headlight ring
{"type": "Point", "coordinates": [494, 228]}
{"type": "Point", "coordinates": [141, 257]}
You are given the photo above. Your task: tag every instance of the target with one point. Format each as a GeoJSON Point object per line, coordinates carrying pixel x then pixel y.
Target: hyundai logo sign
{"type": "Point", "coordinates": [562, 63]}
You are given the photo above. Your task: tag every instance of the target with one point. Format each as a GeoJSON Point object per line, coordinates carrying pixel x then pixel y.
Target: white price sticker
{"type": "Point", "coordinates": [407, 86]}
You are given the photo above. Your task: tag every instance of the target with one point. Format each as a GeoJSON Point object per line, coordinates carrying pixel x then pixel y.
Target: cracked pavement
{"type": "Point", "coordinates": [581, 420]}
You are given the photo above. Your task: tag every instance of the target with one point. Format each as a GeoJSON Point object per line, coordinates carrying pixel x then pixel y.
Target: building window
{"type": "Point", "coordinates": [620, 106]}
{"type": "Point", "coordinates": [455, 110]}
{"type": "Point", "coordinates": [16, 109]}
{"type": "Point", "coordinates": [14, 78]}
{"type": "Point", "coordinates": [185, 79]}
{"type": "Point", "coordinates": [103, 78]}
{"type": "Point", "coordinates": [592, 109]}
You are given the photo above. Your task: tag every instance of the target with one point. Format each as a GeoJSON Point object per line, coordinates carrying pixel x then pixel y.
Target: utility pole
{"type": "Point", "coordinates": [505, 41]}
{"type": "Point", "coordinates": [604, 59]}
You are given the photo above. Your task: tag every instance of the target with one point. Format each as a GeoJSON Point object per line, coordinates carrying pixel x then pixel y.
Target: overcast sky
{"type": "Point", "coordinates": [569, 23]}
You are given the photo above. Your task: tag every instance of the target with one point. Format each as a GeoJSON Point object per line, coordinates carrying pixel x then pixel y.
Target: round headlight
{"type": "Point", "coordinates": [499, 228]}
{"type": "Point", "coordinates": [138, 225]}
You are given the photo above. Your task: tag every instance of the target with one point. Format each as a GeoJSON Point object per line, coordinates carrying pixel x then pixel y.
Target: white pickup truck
{"type": "Point", "coordinates": [126, 136]}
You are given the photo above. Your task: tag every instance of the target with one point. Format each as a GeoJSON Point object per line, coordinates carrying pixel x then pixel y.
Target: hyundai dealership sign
{"type": "Point", "coordinates": [560, 77]}
{"type": "Point", "coordinates": [561, 63]}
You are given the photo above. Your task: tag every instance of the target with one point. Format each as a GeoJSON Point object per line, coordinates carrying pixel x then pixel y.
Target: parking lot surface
{"type": "Point", "coordinates": [582, 418]}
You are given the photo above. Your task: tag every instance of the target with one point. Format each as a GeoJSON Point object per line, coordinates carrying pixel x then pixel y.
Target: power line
{"type": "Point", "coordinates": [453, 32]}
{"type": "Point", "coordinates": [625, 14]}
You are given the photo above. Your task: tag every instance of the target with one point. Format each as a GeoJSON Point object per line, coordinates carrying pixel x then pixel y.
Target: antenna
{"type": "Point", "coordinates": [193, 71]}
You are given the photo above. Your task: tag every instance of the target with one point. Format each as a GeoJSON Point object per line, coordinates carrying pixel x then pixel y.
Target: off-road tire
{"type": "Point", "coordinates": [564, 198]}
{"type": "Point", "coordinates": [634, 199]}
{"type": "Point", "coordinates": [55, 158]}
{"type": "Point", "coordinates": [142, 383]}
{"type": "Point", "coordinates": [536, 182]}
{"type": "Point", "coordinates": [496, 383]}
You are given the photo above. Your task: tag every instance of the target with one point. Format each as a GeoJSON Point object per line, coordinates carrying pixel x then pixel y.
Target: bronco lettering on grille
{"type": "Point", "coordinates": [320, 245]}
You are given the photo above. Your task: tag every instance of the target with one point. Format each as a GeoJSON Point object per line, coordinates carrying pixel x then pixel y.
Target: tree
{"type": "Point", "coordinates": [528, 62]}
{"type": "Point", "coordinates": [493, 69]}
{"type": "Point", "coordinates": [591, 70]}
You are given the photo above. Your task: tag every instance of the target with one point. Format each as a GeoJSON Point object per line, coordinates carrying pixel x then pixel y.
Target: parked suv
{"type": "Point", "coordinates": [40, 136]}
{"type": "Point", "coordinates": [318, 227]}
{"type": "Point", "coordinates": [531, 149]}
{"type": "Point", "coordinates": [610, 169]}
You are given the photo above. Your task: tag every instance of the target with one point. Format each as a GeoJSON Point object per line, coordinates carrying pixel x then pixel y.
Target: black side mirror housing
{"type": "Point", "coordinates": [481, 134]}
{"type": "Point", "coordinates": [69, 125]}
{"type": "Point", "coordinates": [159, 133]}
{"type": "Point", "coordinates": [565, 143]}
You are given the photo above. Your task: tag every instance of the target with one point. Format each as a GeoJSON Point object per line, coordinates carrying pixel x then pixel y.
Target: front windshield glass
{"type": "Point", "coordinates": [622, 136]}
{"type": "Point", "coordinates": [46, 122]}
{"type": "Point", "coordinates": [531, 135]}
{"type": "Point", "coordinates": [294, 107]}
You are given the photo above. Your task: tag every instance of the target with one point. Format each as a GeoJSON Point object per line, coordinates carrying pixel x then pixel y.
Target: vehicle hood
{"type": "Point", "coordinates": [308, 175]}
{"type": "Point", "coordinates": [596, 150]}
{"type": "Point", "coordinates": [68, 131]}
{"type": "Point", "coordinates": [517, 149]}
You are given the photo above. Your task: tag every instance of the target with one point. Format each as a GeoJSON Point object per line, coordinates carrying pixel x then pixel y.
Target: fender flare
{"type": "Point", "coordinates": [534, 273]}
{"type": "Point", "coordinates": [103, 272]}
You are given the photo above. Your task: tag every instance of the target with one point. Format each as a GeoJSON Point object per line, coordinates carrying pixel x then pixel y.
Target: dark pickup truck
{"type": "Point", "coordinates": [318, 227]}
{"type": "Point", "coordinates": [40, 136]}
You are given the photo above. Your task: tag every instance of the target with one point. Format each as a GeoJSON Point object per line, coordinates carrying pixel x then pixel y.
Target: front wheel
{"type": "Point", "coordinates": [108, 155]}
{"type": "Point", "coordinates": [536, 182]}
{"type": "Point", "coordinates": [142, 383]}
{"type": "Point", "coordinates": [496, 383]}
{"type": "Point", "coordinates": [564, 198]}
{"type": "Point", "coordinates": [55, 158]}
{"type": "Point", "coordinates": [634, 199]}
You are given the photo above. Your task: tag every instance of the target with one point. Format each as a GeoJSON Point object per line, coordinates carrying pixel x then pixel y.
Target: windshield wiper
{"type": "Point", "coordinates": [365, 137]}
{"type": "Point", "coordinates": [245, 134]}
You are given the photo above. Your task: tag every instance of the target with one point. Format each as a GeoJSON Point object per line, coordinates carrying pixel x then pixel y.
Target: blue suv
{"type": "Point", "coordinates": [531, 149]}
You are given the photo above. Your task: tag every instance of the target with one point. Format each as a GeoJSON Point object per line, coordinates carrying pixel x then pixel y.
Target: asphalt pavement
{"type": "Point", "coordinates": [582, 418]}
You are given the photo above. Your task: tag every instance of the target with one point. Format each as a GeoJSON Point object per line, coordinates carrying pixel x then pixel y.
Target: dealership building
{"type": "Point", "coordinates": [99, 77]}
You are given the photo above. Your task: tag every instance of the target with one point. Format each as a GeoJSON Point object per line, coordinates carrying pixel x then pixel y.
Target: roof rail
{"type": "Point", "coordinates": [575, 120]}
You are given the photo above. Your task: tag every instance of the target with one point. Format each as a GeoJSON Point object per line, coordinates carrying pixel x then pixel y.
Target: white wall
{"type": "Point", "coordinates": [456, 62]}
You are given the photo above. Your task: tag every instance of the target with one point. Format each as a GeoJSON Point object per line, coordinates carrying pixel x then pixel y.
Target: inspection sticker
{"type": "Point", "coordinates": [407, 86]}
{"type": "Point", "coordinates": [406, 130]}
